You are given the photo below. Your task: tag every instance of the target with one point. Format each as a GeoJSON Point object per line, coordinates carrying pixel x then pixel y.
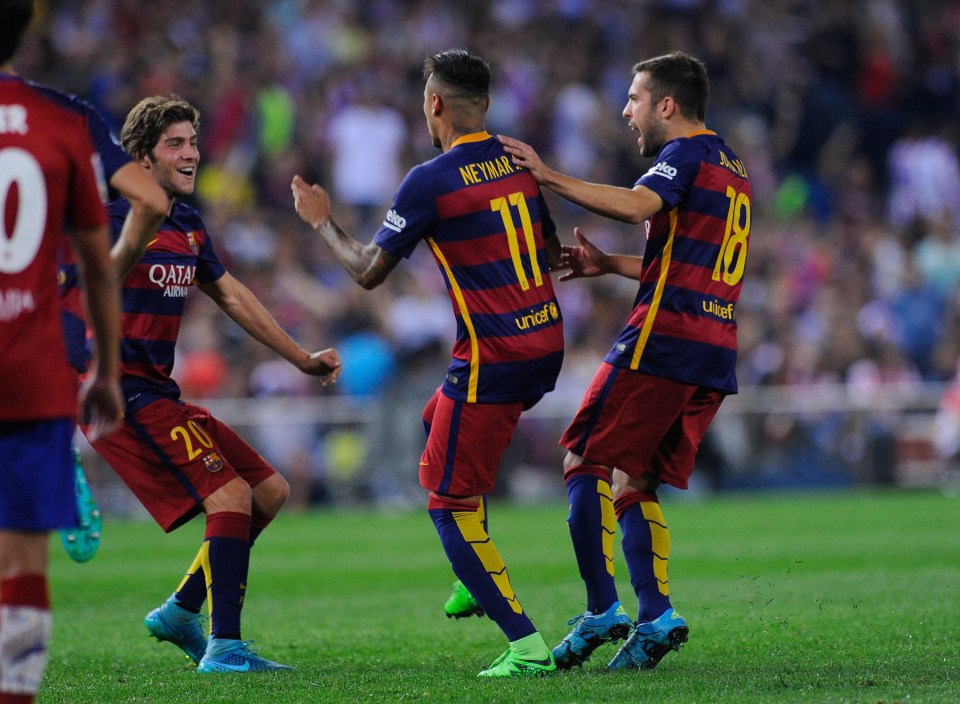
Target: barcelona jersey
{"type": "Point", "coordinates": [683, 324]}
{"type": "Point", "coordinates": [485, 221]}
{"type": "Point", "coordinates": [112, 158]}
{"type": "Point", "coordinates": [153, 296]}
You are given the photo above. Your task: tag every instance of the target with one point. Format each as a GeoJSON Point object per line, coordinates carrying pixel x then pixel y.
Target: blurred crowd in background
{"type": "Point", "coordinates": [845, 113]}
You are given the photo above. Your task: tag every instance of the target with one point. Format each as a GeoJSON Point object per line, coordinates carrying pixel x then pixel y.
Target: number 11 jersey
{"type": "Point", "coordinates": [485, 221]}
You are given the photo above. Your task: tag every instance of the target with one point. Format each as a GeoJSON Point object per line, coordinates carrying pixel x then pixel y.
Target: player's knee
{"type": "Point", "coordinates": [235, 496]}
{"type": "Point", "coordinates": [271, 494]}
{"type": "Point", "coordinates": [281, 491]}
{"type": "Point", "coordinates": [571, 462]}
{"type": "Point", "coordinates": [574, 465]}
{"type": "Point", "coordinates": [623, 484]}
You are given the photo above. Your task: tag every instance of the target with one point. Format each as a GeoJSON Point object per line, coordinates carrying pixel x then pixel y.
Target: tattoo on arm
{"type": "Point", "coordinates": [368, 265]}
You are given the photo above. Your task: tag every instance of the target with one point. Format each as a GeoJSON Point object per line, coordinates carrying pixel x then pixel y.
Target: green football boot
{"type": "Point", "coordinates": [83, 541]}
{"type": "Point", "coordinates": [461, 603]}
{"type": "Point", "coordinates": [511, 665]}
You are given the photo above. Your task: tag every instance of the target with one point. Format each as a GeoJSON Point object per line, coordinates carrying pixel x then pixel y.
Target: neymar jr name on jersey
{"type": "Point", "coordinates": [486, 170]}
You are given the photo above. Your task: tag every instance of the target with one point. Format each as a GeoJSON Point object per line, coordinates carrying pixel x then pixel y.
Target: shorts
{"type": "Point", "coordinates": [37, 476]}
{"type": "Point", "coordinates": [173, 455]}
{"type": "Point", "coordinates": [642, 424]}
{"type": "Point", "coordinates": [465, 443]}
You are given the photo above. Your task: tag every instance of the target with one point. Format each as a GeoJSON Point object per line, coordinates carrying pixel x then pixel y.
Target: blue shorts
{"type": "Point", "coordinates": [37, 475]}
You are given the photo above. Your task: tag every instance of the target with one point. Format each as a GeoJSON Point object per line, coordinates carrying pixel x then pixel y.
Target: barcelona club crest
{"type": "Point", "coordinates": [213, 463]}
{"type": "Point", "coordinates": [192, 241]}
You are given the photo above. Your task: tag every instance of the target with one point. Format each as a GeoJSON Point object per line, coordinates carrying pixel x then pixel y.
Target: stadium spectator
{"type": "Point", "coordinates": [48, 169]}
{"type": "Point", "coordinates": [175, 456]}
{"type": "Point", "coordinates": [648, 407]}
{"type": "Point", "coordinates": [765, 73]}
{"type": "Point", "coordinates": [366, 131]}
{"type": "Point", "coordinates": [492, 238]}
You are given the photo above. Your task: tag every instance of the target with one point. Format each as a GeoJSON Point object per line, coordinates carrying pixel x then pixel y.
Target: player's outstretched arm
{"type": "Point", "coordinates": [246, 310]}
{"type": "Point", "coordinates": [624, 204]}
{"type": "Point", "coordinates": [588, 260]}
{"type": "Point", "coordinates": [148, 207]}
{"type": "Point", "coordinates": [368, 265]}
{"type": "Point", "coordinates": [101, 402]}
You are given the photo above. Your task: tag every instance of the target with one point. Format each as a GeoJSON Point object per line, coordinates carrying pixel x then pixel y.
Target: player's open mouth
{"type": "Point", "coordinates": [187, 171]}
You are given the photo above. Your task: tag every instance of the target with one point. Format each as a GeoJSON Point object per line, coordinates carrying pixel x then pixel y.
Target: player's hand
{"type": "Point", "coordinates": [312, 203]}
{"type": "Point", "coordinates": [524, 156]}
{"type": "Point", "coordinates": [585, 260]}
{"type": "Point", "coordinates": [325, 364]}
{"type": "Point", "coordinates": [100, 406]}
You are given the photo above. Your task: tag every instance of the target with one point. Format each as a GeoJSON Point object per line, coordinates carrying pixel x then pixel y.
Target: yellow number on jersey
{"type": "Point", "coordinates": [734, 239]}
{"type": "Point", "coordinates": [500, 205]}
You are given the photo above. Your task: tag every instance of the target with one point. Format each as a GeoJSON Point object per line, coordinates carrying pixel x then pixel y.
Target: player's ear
{"type": "Point", "coordinates": [436, 105]}
{"type": "Point", "coordinates": [668, 106]}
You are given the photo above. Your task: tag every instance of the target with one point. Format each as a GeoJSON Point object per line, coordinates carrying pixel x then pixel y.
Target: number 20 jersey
{"type": "Point", "coordinates": [48, 181]}
{"type": "Point", "coordinates": [683, 324]}
{"type": "Point", "coordinates": [153, 297]}
{"type": "Point", "coordinates": [485, 221]}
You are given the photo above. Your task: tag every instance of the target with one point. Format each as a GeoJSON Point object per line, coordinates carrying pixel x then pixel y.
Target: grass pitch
{"type": "Point", "coordinates": [851, 597]}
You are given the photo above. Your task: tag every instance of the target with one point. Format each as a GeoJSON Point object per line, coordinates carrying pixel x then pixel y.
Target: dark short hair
{"type": "Point", "coordinates": [462, 71]}
{"type": "Point", "coordinates": [15, 16]}
{"type": "Point", "coordinates": [681, 77]}
{"type": "Point", "coordinates": [150, 118]}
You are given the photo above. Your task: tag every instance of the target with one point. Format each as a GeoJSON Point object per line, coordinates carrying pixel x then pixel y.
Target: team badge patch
{"type": "Point", "coordinates": [192, 241]}
{"type": "Point", "coordinates": [212, 462]}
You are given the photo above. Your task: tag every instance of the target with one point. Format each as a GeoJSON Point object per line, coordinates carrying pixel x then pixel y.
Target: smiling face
{"type": "Point", "coordinates": [642, 116]}
{"type": "Point", "coordinates": [173, 162]}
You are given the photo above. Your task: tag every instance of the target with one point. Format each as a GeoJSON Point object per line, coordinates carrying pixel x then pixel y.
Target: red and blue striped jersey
{"type": "Point", "coordinates": [153, 296]}
{"type": "Point", "coordinates": [683, 324]}
{"type": "Point", "coordinates": [49, 182]}
{"type": "Point", "coordinates": [112, 158]}
{"type": "Point", "coordinates": [485, 222]}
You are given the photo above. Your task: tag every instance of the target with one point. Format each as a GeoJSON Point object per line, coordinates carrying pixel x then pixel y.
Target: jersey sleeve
{"type": "Point", "coordinates": [86, 209]}
{"type": "Point", "coordinates": [412, 217]}
{"type": "Point", "coordinates": [547, 226]}
{"type": "Point", "coordinates": [105, 143]}
{"type": "Point", "coordinates": [209, 266]}
{"type": "Point", "coordinates": [117, 211]}
{"type": "Point", "coordinates": [673, 175]}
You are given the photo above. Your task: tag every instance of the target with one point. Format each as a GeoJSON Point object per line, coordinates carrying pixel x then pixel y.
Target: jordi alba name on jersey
{"type": "Point", "coordinates": [683, 325]}
{"type": "Point", "coordinates": [485, 222]}
{"type": "Point", "coordinates": [153, 296]}
{"type": "Point", "coordinates": [49, 180]}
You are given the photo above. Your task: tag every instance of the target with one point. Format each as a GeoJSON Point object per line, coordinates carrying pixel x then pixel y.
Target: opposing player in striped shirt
{"type": "Point", "coordinates": [650, 403]}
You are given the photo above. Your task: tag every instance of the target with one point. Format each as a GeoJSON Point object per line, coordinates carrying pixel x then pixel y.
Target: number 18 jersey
{"type": "Point", "coordinates": [485, 221]}
{"type": "Point", "coordinates": [683, 324]}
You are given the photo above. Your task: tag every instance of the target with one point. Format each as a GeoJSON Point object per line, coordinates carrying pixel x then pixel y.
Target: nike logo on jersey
{"type": "Point", "coordinates": [395, 221]}
{"type": "Point", "coordinates": [662, 168]}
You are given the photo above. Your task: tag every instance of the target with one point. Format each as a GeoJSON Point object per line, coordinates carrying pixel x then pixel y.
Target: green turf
{"type": "Point", "coordinates": [851, 597]}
